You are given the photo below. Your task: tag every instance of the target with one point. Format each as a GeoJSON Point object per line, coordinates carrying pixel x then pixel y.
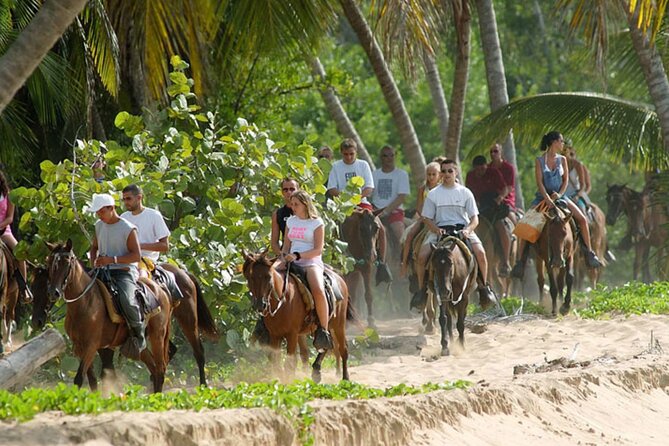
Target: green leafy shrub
{"type": "Point", "coordinates": [631, 298]}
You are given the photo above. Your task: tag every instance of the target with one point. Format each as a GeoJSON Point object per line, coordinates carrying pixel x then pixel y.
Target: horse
{"type": "Point", "coordinates": [88, 323]}
{"type": "Point", "coordinates": [489, 237]}
{"type": "Point", "coordinates": [452, 274]}
{"type": "Point", "coordinates": [361, 230]}
{"type": "Point", "coordinates": [645, 222]}
{"type": "Point", "coordinates": [285, 314]}
{"type": "Point", "coordinates": [9, 295]}
{"type": "Point", "coordinates": [191, 313]}
{"type": "Point", "coordinates": [599, 244]}
{"type": "Point", "coordinates": [555, 252]}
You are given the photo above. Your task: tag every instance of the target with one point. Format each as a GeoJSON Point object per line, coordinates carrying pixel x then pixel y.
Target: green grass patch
{"type": "Point", "coordinates": [289, 400]}
{"type": "Point", "coordinates": [511, 304]}
{"type": "Point", "coordinates": [631, 298]}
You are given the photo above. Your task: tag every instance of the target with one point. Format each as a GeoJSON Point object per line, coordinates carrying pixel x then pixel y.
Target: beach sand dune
{"type": "Point", "coordinates": [534, 381]}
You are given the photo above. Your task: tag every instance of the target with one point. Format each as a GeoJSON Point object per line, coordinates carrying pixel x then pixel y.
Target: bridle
{"type": "Point", "coordinates": [272, 294]}
{"type": "Point", "coordinates": [70, 258]}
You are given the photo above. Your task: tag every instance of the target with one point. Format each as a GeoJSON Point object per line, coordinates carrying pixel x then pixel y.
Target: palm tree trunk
{"type": "Point", "coordinates": [550, 65]}
{"type": "Point", "coordinates": [410, 145]}
{"type": "Point", "coordinates": [336, 110]}
{"type": "Point", "coordinates": [653, 71]}
{"type": "Point", "coordinates": [462, 17]}
{"type": "Point", "coordinates": [30, 47]}
{"type": "Point", "coordinates": [438, 97]}
{"type": "Point", "coordinates": [495, 74]}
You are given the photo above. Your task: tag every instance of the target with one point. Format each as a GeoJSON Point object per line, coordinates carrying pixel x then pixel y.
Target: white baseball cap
{"type": "Point", "coordinates": [100, 201]}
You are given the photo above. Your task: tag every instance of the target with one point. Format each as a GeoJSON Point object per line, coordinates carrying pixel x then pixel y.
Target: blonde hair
{"type": "Point", "coordinates": [308, 203]}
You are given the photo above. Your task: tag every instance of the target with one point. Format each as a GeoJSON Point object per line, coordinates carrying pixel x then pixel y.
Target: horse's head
{"type": "Point", "coordinates": [258, 270]}
{"type": "Point", "coordinates": [41, 298]}
{"type": "Point", "coordinates": [360, 230]}
{"type": "Point", "coordinates": [59, 265]}
{"type": "Point", "coordinates": [442, 268]}
{"type": "Point", "coordinates": [558, 230]}
{"type": "Point", "coordinates": [615, 195]}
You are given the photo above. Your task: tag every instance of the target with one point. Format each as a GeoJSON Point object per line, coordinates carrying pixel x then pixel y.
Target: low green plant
{"type": "Point", "coordinates": [631, 298]}
{"type": "Point", "coordinates": [289, 400]}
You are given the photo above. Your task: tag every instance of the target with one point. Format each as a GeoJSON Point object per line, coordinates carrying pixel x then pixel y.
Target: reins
{"type": "Point", "coordinates": [266, 299]}
{"type": "Point", "coordinates": [71, 258]}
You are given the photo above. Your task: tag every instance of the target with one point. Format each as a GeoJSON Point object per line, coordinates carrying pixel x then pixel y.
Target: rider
{"type": "Point", "coordinates": [345, 169]}
{"type": "Point", "coordinates": [579, 185]}
{"type": "Point", "coordinates": [552, 175]}
{"type": "Point", "coordinates": [490, 190]}
{"type": "Point", "coordinates": [305, 235]}
{"type": "Point", "coordinates": [116, 246]}
{"type": "Point", "coordinates": [432, 179]}
{"type": "Point", "coordinates": [152, 230]}
{"type": "Point", "coordinates": [509, 174]}
{"type": "Point", "coordinates": [449, 205]}
{"type": "Point", "coordinates": [6, 219]}
{"type": "Point", "coordinates": [326, 152]}
{"type": "Point", "coordinates": [391, 189]}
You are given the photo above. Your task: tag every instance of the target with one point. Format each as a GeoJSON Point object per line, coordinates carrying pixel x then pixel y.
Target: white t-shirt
{"type": "Point", "coordinates": [388, 185]}
{"type": "Point", "coordinates": [151, 227]}
{"type": "Point", "coordinates": [342, 172]}
{"type": "Point", "coordinates": [450, 206]}
{"type": "Point", "coordinates": [300, 232]}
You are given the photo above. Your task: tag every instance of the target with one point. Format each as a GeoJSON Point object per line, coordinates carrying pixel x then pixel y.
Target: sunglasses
{"type": "Point", "coordinates": [128, 198]}
{"type": "Point", "coordinates": [289, 189]}
{"type": "Point", "coordinates": [494, 151]}
{"type": "Point", "coordinates": [448, 171]}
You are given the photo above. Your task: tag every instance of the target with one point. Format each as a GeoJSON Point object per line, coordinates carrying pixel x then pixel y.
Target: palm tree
{"type": "Point", "coordinates": [34, 42]}
{"type": "Point", "coordinates": [495, 75]}
{"type": "Point", "coordinates": [410, 144]}
{"type": "Point", "coordinates": [438, 97]}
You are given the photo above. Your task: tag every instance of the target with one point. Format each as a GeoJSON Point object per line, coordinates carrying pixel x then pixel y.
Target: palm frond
{"type": "Point", "coordinates": [101, 43]}
{"type": "Point", "coordinates": [18, 139]}
{"type": "Point", "coordinates": [607, 126]}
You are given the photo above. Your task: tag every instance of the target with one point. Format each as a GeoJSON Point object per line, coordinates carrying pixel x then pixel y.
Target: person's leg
{"type": "Point", "coordinates": [505, 242]}
{"type": "Point", "coordinates": [518, 270]}
{"type": "Point", "coordinates": [421, 262]}
{"type": "Point", "coordinates": [397, 227]}
{"type": "Point", "coordinates": [486, 295]}
{"type": "Point", "coordinates": [591, 257]}
{"type": "Point", "coordinates": [406, 247]}
{"type": "Point", "coordinates": [11, 243]}
{"type": "Point", "coordinates": [482, 260]}
{"type": "Point", "coordinates": [126, 286]}
{"type": "Point", "coordinates": [322, 338]}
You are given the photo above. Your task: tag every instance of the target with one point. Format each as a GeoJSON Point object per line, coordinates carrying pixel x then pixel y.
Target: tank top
{"type": "Point", "coordinates": [113, 241]}
{"type": "Point", "coordinates": [574, 185]}
{"type": "Point", "coordinates": [4, 202]}
{"type": "Point", "coordinates": [282, 215]}
{"type": "Point", "coordinates": [552, 178]}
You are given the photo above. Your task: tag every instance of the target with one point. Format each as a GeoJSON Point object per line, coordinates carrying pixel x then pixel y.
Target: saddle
{"type": "Point", "coordinates": [164, 278]}
{"type": "Point", "coordinates": [148, 302]}
{"type": "Point", "coordinates": [333, 292]}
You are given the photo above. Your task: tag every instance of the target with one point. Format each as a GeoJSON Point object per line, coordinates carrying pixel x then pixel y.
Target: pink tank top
{"type": "Point", "coordinates": [3, 214]}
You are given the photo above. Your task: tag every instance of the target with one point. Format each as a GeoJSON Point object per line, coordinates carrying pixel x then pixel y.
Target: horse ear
{"type": "Point", "coordinates": [245, 254]}
{"type": "Point", "coordinates": [68, 245]}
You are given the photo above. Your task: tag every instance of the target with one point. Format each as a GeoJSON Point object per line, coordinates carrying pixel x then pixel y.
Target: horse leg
{"type": "Point", "coordinates": [541, 280]}
{"type": "Point", "coordinates": [316, 368]}
{"type": "Point", "coordinates": [186, 316]}
{"type": "Point", "coordinates": [566, 305]}
{"type": "Point", "coordinates": [291, 361]}
{"type": "Point", "coordinates": [341, 347]}
{"type": "Point", "coordinates": [304, 351]}
{"type": "Point", "coordinates": [107, 362]}
{"type": "Point", "coordinates": [86, 368]}
{"type": "Point", "coordinates": [462, 312]}
{"type": "Point", "coordinates": [429, 313]}
{"type": "Point", "coordinates": [366, 271]}
{"type": "Point", "coordinates": [444, 331]}
{"type": "Point", "coordinates": [553, 289]}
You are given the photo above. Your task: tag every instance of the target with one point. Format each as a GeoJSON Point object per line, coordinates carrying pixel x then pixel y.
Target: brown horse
{"type": "Point", "coordinates": [555, 252]}
{"type": "Point", "coordinates": [285, 313]}
{"type": "Point", "coordinates": [452, 277]}
{"type": "Point", "coordinates": [87, 321]}
{"type": "Point", "coordinates": [361, 230]}
{"type": "Point", "coordinates": [9, 295]}
{"type": "Point", "coordinates": [191, 313]}
{"type": "Point", "coordinates": [493, 248]}
{"type": "Point", "coordinates": [599, 244]}
{"type": "Point", "coordinates": [646, 223]}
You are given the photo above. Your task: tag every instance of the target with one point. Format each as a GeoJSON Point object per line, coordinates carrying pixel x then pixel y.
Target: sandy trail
{"type": "Point", "coordinates": [613, 392]}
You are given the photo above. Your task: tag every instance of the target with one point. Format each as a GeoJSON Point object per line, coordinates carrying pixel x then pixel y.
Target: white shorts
{"type": "Point", "coordinates": [433, 237]}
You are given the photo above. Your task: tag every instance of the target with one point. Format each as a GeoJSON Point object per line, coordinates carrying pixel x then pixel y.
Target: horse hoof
{"type": "Point", "coordinates": [564, 310]}
{"type": "Point", "coordinates": [371, 323]}
{"type": "Point", "coordinates": [445, 352]}
{"type": "Point", "coordinates": [316, 377]}
{"type": "Point", "coordinates": [429, 330]}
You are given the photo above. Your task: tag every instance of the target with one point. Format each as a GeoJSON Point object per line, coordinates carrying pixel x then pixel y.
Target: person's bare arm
{"type": "Point", "coordinates": [276, 232]}
{"type": "Point", "coordinates": [162, 245]}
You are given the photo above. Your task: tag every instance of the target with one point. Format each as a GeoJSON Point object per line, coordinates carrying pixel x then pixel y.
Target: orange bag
{"type": "Point", "coordinates": [530, 226]}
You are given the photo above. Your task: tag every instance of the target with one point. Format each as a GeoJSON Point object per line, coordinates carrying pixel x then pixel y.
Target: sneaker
{"type": "Point", "coordinates": [504, 270]}
{"type": "Point", "coordinates": [418, 300]}
{"type": "Point", "coordinates": [322, 339]}
{"type": "Point", "coordinates": [133, 347]}
{"type": "Point", "coordinates": [260, 333]}
{"type": "Point", "coordinates": [518, 270]}
{"type": "Point", "coordinates": [486, 297]}
{"type": "Point", "coordinates": [592, 259]}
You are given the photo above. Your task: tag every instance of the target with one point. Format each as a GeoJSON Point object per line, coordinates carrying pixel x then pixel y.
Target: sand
{"type": "Point", "coordinates": [576, 382]}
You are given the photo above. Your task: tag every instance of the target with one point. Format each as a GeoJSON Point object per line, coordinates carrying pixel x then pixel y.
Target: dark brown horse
{"type": "Point", "coordinates": [493, 248]}
{"type": "Point", "coordinates": [192, 314]}
{"type": "Point", "coordinates": [87, 321]}
{"type": "Point", "coordinates": [285, 313]}
{"type": "Point", "coordinates": [555, 252]}
{"type": "Point", "coordinates": [645, 224]}
{"type": "Point", "coordinates": [452, 277]}
{"type": "Point", "coordinates": [361, 230]}
{"type": "Point", "coordinates": [9, 295]}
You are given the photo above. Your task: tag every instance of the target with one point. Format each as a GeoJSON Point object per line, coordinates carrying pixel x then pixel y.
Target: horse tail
{"type": "Point", "coordinates": [205, 321]}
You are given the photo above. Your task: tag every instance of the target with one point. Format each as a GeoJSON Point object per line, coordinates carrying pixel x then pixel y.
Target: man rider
{"type": "Point", "coordinates": [390, 191]}
{"type": "Point", "coordinates": [116, 246]}
{"type": "Point", "coordinates": [447, 205]}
